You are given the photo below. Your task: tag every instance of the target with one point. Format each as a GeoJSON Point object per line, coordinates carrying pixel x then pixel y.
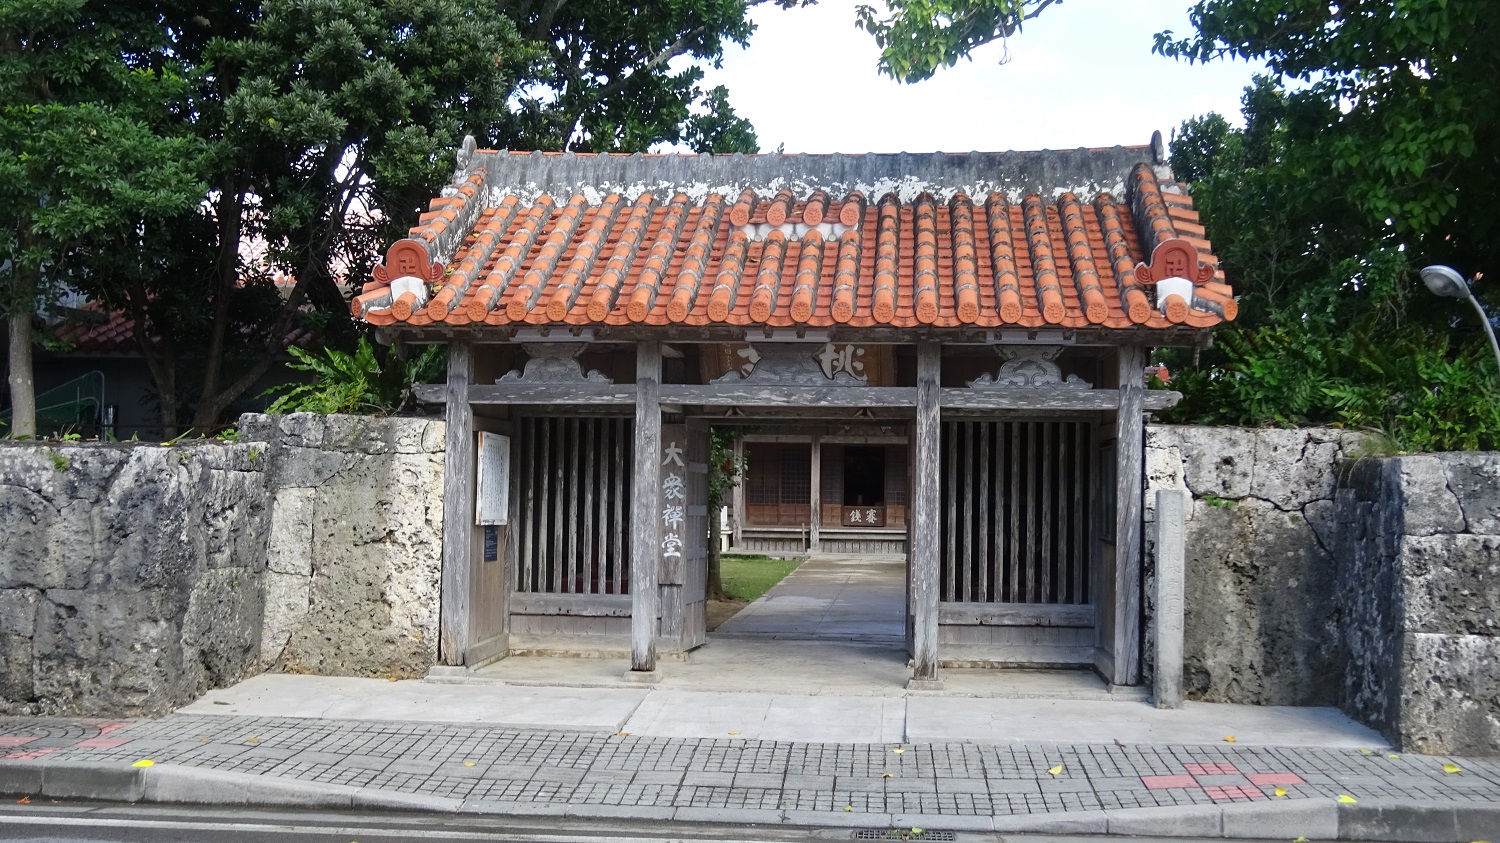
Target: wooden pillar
{"type": "Point", "coordinates": [1130, 445]}
{"type": "Point", "coordinates": [923, 592]}
{"type": "Point", "coordinates": [645, 528]}
{"type": "Point", "coordinates": [815, 517]}
{"type": "Point", "coordinates": [458, 507]}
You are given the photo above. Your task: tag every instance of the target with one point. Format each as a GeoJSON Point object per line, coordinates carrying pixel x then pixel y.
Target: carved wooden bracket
{"type": "Point", "coordinates": [792, 364]}
{"type": "Point", "coordinates": [554, 362]}
{"type": "Point", "coordinates": [1028, 367]}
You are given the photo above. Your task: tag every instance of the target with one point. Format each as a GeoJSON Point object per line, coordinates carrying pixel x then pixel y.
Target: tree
{"type": "Point", "coordinates": [319, 129]}
{"type": "Point", "coordinates": [725, 470]}
{"type": "Point", "coordinates": [1370, 149]}
{"type": "Point", "coordinates": [83, 158]}
{"type": "Point", "coordinates": [916, 37]}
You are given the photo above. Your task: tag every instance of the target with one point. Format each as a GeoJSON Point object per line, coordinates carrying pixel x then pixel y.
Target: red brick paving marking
{"type": "Point", "coordinates": [106, 728]}
{"type": "Point", "coordinates": [1220, 793]}
{"type": "Point", "coordinates": [32, 755]}
{"type": "Point", "coordinates": [1233, 792]}
{"type": "Point", "coordinates": [101, 743]}
{"type": "Point", "coordinates": [1212, 769]}
{"type": "Point", "coordinates": [16, 740]}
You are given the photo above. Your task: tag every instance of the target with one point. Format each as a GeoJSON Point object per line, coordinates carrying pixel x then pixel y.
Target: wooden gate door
{"type": "Point", "coordinates": [684, 530]}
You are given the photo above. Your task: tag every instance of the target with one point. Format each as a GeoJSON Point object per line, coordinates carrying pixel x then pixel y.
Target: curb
{"type": "Point", "coordinates": [1385, 821]}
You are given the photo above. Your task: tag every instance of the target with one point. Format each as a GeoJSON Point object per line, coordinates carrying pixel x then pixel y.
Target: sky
{"type": "Point", "coordinates": [1082, 74]}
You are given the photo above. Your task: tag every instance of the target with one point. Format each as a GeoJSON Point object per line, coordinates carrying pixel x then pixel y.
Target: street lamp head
{"type": "Point", "coordinates": [1445, 281]}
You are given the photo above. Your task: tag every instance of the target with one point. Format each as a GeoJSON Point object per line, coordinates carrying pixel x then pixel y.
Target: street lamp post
{"type": "Point", "coordinates": [1445, 281]}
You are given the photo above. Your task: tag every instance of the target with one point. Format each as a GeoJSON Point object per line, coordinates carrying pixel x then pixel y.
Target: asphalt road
{"type": "Point", "coordinates": [68, 823]}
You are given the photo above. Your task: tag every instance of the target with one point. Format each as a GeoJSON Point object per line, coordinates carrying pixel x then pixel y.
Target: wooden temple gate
{"type": "Point", "coordinates": [988, 352]}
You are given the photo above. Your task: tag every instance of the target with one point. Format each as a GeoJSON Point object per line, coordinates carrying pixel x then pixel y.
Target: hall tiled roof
{"type": "Point", "coordinates": [532, 240]}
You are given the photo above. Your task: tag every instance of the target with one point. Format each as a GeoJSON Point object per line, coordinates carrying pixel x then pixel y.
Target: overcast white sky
{"type": "Point", "coordinates": [1080, 75]}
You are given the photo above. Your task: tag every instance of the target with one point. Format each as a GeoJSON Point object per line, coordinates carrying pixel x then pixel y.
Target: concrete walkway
{"type": "Point", "coordinates": [1195, 790]}
{"type": "Point", "coordinates": [839, 597]}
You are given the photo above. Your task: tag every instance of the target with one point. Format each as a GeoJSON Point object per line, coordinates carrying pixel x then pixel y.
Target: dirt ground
{"type": "Point", "coordinates": [720, 611]}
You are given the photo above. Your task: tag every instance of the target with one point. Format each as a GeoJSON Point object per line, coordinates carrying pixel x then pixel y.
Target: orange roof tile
{"type": "Point", "coordinates": [587, 241]}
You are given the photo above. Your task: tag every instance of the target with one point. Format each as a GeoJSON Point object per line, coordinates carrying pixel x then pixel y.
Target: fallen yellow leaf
{"type": "Point", "coordinates": [885, 775]}
{"type": "Point", "coordinates": [734, 733]}
{"type": "Point", "coordinates": [1299, 840]}
{"type": "Point", "coordinates": [252, 740]}
{"type": "Point", "coordinates": [848, 807]}
{"type": "Point", "coordinates": [1393, 756]}
{"type": "Point", "coordinates": [1450, 769]}
{"type": "Point", "coordinates": [1056, 770]}
{"type": "Point", "coordinates": [898, 751]}
{"type": "Point", "coordinates": [24, 800]}
{"type": "Point", "coordinates": [621, 734]}
{"type": "Point", "coordinates": [468, 763]}
{"type": "Point", "coordinates": [1229, 739]}
{"type": "Point", "coordinates": [144, 762]}
{"type": "Point", "coordinates": [1347, 799]}
{"type": "Point", "coordinates": [915, 830]}
{"type": "Point", "coordinates": [1367, 752]}
{"type": "Point", "coordinates": [1280, 791]}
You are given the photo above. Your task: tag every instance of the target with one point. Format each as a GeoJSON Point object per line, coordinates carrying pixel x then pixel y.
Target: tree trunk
{"type": "Point", "coordinates": [715, 533]}
{"type": "Point", "coordinates": [22, 375]}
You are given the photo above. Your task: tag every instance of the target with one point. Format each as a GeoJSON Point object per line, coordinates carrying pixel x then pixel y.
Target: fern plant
{"type": "Point", "coordinates": [359, 383]}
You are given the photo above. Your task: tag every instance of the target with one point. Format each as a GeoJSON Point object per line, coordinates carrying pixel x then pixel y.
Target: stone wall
{"type": "Point", "coordinates": [355, 555]}
{"type": "Point", "coordinates": [1419, 538]}
{"type": "Point", "coordinates": [130, 576]}
{"type": "Point", "coordinates": [134, 578]}
{"type": "Point", "coordinates": [1262, 608]}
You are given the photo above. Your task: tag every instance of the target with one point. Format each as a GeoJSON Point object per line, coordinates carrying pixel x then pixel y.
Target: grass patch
{"type": "Point", "coordinates": [748, 577]}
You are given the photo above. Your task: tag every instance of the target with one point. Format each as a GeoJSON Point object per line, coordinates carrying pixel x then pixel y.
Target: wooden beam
{"type": "Point", "coordinates": [1130, 445]}
{"type": "Point", "coordinates": [578, 394]}
{"type": "Point", "coordinates": [1155, 400]}
{"type": "Point", "coordinates": [645, 532]}
{"type": "Point", "coordinates": [458, 504]}
{"type": "Point", "coordinates": [1015, 614]}
{"type": "Point", "coordinates": [722, 395]}
{"type": "Point", "coordinates": [577, 605]}
{"type": "Point", "coordinates": [924, 534]}
{"type": "Point", "coordinates": [1037, 399]}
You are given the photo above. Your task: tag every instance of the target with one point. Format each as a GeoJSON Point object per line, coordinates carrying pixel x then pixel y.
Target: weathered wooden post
{"type": "Point", "coordinates": [1170, 553]}
{"type": "Point", "coordinates": [924, 534]}
{"type": "Point", "coordinates": [645, 532]}
{"type": "Point", "coordinates": [458, 506]}
{"type": "Point", "coordinates": [1130, 443]}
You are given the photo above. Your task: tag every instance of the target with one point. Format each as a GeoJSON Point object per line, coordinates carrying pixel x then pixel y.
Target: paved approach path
{"type": "Point", "coordinates": [1193, 790]}
{"type": "Point", "coordinates": [838, 597]}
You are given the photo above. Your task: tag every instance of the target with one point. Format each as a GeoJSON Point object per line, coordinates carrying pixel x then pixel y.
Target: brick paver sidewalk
{"type": "Point", "coordinates": [476, 768]}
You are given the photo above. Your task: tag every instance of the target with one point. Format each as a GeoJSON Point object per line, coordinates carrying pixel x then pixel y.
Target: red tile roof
{"type": "Point", "coordinates": [92, 330]}
{"type": "Point", "coordinates": [572, 240]}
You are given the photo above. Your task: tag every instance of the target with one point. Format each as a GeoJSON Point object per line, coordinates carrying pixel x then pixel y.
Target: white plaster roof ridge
{"type": "Point", "coordinates": [1049, 173]}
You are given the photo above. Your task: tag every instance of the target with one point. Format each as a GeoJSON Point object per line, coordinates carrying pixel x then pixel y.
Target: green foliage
{"type": "Point", "coordinates": [724, 470]}
{"type": "Point", "coordinates": [355, 383]}
{"type": "Point", "coordinates": [916, 37]}
{"type": "Point", "coordinates": [1324, 205]}
{"type": "Point", "coordinates": [59, 461]}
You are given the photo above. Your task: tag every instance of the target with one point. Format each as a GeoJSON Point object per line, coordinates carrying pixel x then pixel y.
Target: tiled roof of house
{"type": "Point", "coordinates": [92, 330]}
{"type": "Point", "coordinates": [1051, 239]}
